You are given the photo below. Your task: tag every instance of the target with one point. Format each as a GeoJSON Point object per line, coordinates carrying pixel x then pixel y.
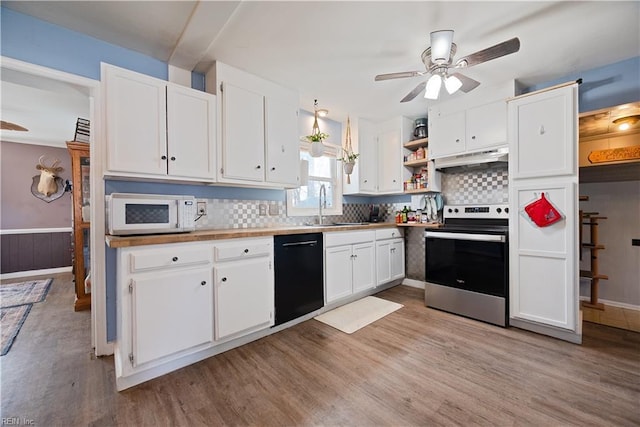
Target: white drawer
{"type": "Point", "coordinates": [388, 233]}
{"type": "Point", "coordinates": [242, 249]}
{"type": "Point", "coordinates": [179, 256]}
{"type": "Point", "coordinates": [340, 238]}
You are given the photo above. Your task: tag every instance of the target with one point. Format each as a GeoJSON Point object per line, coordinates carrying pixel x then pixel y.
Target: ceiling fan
{"type": "Point", "coordinates": [438, 60]}
{"type": "Point", "coordinates": [12, 126]}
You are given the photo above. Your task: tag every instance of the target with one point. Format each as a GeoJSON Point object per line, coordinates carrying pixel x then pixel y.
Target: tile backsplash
{"type": "Point", "coordinates": [485, 185]}
{"type": "Point", "coordinates": [228, 213]}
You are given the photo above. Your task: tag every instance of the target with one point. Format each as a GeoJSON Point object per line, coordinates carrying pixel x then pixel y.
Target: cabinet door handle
{"type": "Point", "coordinates": [203, 283]}
{"type": "Point", "coordinates": [473, 137]}
{"type": "Point", "coordinates": [457, 140]}
{"type": "Point", "coordinates": [173, 158]}
{"type": "Point", "coordinates": [174, 259]}
{"type": "Point", "coordinates": [258, 167]}
{"type": "Point", "coordinates": [246, 251]}
{"type": "Point", "coordinates": [273, 168]}
{"type": "Point", "coordinates": [224, 279]}
{"type": "Point", "coordinates": [164, 157]}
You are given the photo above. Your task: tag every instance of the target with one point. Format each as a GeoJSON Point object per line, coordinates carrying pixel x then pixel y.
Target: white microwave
{"type": "Point", "coordinates": [129, 213]}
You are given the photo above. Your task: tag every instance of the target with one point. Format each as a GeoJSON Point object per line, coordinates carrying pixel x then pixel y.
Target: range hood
{"type": "Point", "coordinates": [473, 160]}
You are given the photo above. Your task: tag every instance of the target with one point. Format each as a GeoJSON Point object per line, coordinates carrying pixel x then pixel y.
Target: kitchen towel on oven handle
{"type": "Point", "coordinates": [541, 212]}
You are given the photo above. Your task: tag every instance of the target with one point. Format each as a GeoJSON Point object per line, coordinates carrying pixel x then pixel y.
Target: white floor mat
{"type": "Point", "coordinates": [353, 316]}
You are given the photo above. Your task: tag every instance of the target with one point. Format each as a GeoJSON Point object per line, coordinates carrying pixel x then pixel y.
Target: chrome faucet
{"type": "Point", "coordinates": [321, 203]}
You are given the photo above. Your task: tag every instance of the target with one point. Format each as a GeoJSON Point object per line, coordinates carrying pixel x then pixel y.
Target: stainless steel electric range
{"type": "Point", "coordinates": [467, 266]}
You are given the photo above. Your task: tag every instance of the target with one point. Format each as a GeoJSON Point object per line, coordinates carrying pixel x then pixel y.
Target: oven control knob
{"type": "Point", "coordinates": [506, 210]}
{"type": "Point", "coordinates": [456, 210]}
{"type": "Point", "coordinates": [499, 210]}
{"type": "Point", "coordinates": [450, 210]}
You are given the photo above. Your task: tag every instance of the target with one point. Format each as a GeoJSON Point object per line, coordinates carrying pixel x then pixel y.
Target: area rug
{"type": "Point", "coordinates": [11, 320]}
{"type": "Point", "coordinates": [16, 300]}
{"type": "Point", "coordinates": [358, 314]}
{"type": "Point", "coordinates": [14, 294]}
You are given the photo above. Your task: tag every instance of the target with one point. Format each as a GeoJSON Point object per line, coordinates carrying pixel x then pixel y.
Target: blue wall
{"type": "Point", "coordinates": [604, 87]}
{"type": "Point", "coordinates": [31, 40]}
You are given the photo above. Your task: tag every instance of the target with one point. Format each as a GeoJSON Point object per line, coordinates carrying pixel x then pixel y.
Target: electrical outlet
{"type": "Point", "coordinates": [263, 209]}
{"type": "Point", "coordinates": [202, 208]}
{"type": "Point", "coordinates": [273, 209]}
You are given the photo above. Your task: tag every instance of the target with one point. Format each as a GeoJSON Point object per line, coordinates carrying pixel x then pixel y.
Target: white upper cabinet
{"type": "Point", "coordinates": [379, 167]}
{"type": "Point", "coordinates": [446, 133]}
{"type": "Point", "coordinates": [486, 126]}
{"type": "Point", "coordinates": [258, 133]}
{"type": "Point", "coordinates": [470, 123]}
{"type": "Point", "coordinates": [155, 129]}
{"type": "Point", "coordinates": [368, 150]}
{"type": "Point", "coordinates": [242, 134]}
{"type": "Point", "coordinates": [282, 147]}
{"type": "Point", "coordinates": [190, 132]}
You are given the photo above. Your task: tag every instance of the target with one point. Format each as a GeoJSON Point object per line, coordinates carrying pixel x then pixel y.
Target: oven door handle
{"type": "Point", "coordinates": [466, 236]}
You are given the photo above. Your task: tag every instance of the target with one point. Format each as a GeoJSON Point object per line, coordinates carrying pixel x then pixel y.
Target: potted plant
{"type": "Point", "coordinates": [348, 160]}
{"type": "Point", "coordinates": [316, 138]}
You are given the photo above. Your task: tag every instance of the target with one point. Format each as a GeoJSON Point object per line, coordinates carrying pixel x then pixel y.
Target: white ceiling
{"type": "Point", "coordinates": [331, 50]}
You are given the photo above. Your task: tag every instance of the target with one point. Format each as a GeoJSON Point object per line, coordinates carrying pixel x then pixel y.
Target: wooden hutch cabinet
{"type": "Point", "coordinates": [80, 167]}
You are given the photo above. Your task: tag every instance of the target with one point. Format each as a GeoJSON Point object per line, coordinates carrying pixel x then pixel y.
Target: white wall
{"type": "Point", "coordinates": [620, 203]}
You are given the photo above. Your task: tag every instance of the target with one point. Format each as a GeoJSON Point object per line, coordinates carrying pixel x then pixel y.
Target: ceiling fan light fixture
{"type": "Point", "coordinates": [452, 84]}
{"type": "Point", "coordinates": [441, 46]}
{"type": "Point", "coordinates": [433, 87]}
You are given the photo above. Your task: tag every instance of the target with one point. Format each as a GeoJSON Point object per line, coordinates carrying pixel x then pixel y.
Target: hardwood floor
{"type": "Point", "coordinates": [416, 366]}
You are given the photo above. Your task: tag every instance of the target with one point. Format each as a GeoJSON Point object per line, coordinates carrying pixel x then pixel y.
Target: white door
{"type": "Point", "coordinates": [368, 160]}
{"type": "Point", "coordinates": [338, 273]}
{"type": "Point", "coordinates": [486, 126]}
{"type": "Point", "coordinates": [364, 264]}
{"type": "Point", "coordinates": [389, 162]}
{"type": "Point", "coordinates": [543, 261]}
{"type": "Point", "coordinates": [396, 252]}
{"type": "Point", "coordinates": [242, 134]}
{"type": "Point", "coordinates": [171, 312]}
{"type": "Point", "coordinates": [243, 296]}
{"type": "Point", "coordinates": [282, 143]}
{"type": "Point", "coordinates": [191, 132]}
{"type": "Point", "coordinates": [135, 107]}
{"type": "Point", "coordinates": [383, 261]}
{"type": "Point", "coordinates": [446, 134]}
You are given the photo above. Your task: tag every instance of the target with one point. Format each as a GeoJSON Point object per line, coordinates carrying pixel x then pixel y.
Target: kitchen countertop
{"type": "Point", "coordinates": [235, 233]}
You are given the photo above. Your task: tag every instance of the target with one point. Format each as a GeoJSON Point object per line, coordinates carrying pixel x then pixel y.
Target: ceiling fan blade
{"type": "Point", "coordinates": [493, 52]}
{"type": "Point", "coordinates": [400, 75]}
{"type": "Point", "coordinates": [12, 126]}
{"type": "Point", "coordinates": [468, 84]}
{"type": "Point", "coordinates": [414, 92]}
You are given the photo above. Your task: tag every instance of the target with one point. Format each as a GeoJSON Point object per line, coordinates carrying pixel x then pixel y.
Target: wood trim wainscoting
{"type": "Point", "coordinates": [27, 250]}
{"type": "Point", "coordinates": [416, 366]}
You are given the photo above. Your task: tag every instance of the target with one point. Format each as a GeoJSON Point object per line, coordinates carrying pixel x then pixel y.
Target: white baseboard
{"type": "Point", "coordinates": [413, 283]}
{"type": "Point", "coordinates": [29, 273]}
{"type": "Point", "coordinates": [614, 303]}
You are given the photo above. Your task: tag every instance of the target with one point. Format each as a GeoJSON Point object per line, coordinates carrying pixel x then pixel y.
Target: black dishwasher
{"type": "Point", "coordinates": [299, 279]}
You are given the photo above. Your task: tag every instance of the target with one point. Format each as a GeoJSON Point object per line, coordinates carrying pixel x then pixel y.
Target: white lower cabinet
{"type": "Point", "coordinates": [170, 313]}
{"type": "Point", "coordinates": [389, 255]}
{"type": "Point", "coordinates": [244, 287]}
{"type": "Point", "coordinates": [165, 303]}
{"type": "Point", "coordinates": [349, 263]}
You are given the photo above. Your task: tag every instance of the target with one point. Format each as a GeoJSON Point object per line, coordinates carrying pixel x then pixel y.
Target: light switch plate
{"type": "Point", "coordinates": [273, 209]}
{"type": "Point", "coordinates": [262, 209]}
